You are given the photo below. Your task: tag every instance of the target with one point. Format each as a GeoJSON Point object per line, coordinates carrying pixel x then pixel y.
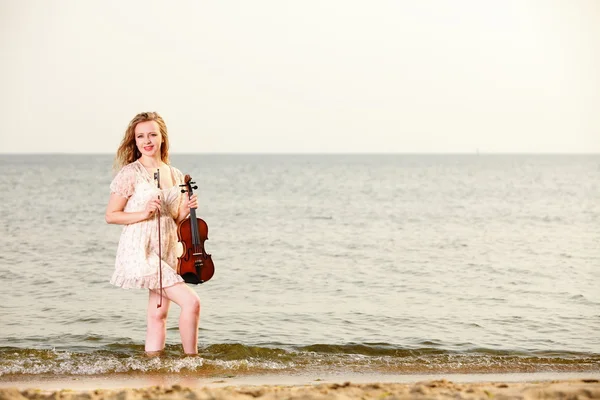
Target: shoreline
{"type": "Point", "coordinates": [341, 387]}
{"type": "Point", "coordinates": [146, 380]}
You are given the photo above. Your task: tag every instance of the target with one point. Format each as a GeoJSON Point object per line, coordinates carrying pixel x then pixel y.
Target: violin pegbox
{"type": "Point", "coordinates": [188, 185]}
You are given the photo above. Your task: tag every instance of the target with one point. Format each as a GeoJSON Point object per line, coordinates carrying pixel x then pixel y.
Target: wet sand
{"type": "Point", "coordinates": [485, 386]}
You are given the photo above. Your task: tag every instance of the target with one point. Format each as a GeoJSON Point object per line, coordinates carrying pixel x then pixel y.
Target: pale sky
{"type": "Point", "coordinates": [269, 76]}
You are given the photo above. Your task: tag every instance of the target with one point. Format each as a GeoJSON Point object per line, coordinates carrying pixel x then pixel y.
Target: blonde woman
{"type": "Point", "coordinates": [137, 203]}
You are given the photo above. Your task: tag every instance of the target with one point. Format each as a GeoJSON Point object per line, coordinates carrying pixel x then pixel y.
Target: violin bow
{"type": "Point", "coordinates": [157, 179]}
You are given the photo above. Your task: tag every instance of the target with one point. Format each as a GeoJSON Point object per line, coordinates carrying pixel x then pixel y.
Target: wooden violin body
{"type": "Point", "coordinates": [194, 264]}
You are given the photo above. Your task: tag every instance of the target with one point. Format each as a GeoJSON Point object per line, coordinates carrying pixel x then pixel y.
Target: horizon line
{"type": "Point", "coordinates": [479, 153]}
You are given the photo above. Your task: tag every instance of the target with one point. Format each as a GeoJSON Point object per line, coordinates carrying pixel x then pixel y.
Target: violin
{"type": "Point", "coordinates": [194, 264]}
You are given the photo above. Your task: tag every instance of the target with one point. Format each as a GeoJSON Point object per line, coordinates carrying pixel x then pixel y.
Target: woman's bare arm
{"type": "Point", "coordinates": [116, 215]}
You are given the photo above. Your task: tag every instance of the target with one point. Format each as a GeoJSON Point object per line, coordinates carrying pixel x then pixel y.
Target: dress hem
{"type": "Point", "coordinates": [146, 282]}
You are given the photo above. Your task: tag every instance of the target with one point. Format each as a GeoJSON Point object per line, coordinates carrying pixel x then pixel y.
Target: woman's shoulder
{"type": "Point", "coordinates": [178, 174]}
{"type": "Point", "coordinates": [130, 168]}
{"type": "Point", "coordinates": [124, 181]}
{"type": "Point", "coordinates": [134, 165]}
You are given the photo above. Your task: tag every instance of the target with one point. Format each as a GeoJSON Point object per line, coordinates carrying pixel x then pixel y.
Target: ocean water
{"type": "Point", "coordinates": [350, 263]}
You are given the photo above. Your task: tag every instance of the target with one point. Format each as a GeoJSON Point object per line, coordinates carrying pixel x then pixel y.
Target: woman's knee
{"type": "Point", "coordinates": [157, 315]}
{"type": "Point", "coordinates": [193, 305]}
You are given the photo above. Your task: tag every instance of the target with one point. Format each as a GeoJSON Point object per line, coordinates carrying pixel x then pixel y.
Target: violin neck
{"type": "Point", "coordinates": [194, 227]}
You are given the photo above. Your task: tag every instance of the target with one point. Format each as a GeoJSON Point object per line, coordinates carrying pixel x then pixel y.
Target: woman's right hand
{"type": "Point", "coordinates": [152, 208]}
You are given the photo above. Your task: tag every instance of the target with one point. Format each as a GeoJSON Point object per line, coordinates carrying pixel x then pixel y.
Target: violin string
{"type": "Point", "coordinates": [195, 240]}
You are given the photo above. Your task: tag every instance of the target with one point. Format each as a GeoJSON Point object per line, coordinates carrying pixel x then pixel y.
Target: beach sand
{"type": "Point", "coordinates": [273, 387]}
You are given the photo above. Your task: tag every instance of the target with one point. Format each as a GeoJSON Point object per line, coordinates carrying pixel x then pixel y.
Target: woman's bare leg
{"type": "Point", "coordinates": [156, 333]}
{"type": "Point", "coordinates": [188, 300]}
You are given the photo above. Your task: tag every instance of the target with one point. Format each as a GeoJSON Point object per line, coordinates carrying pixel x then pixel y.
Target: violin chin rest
{"type": "Point", "coordinates": [178, 249]}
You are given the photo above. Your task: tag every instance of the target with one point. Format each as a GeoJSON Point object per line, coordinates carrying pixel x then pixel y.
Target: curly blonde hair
{"type": "Point", "coordinates": [128, 151]}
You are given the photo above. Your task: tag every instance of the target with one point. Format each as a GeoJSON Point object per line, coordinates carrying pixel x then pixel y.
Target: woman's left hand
{"type": "Point", "coordinates": [186, 205]}
{"type": "Point", "coordinates": [192, 202]}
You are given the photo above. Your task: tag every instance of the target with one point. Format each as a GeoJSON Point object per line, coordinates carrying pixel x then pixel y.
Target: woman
{"type": "Point", "coordinates": [136, 202]}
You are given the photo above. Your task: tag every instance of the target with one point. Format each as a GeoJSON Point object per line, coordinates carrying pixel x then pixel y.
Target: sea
{"type": "Point", "coordinates": [352, 263]}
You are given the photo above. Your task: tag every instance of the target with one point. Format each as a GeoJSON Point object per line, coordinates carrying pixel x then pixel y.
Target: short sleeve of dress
{"type": "Point", "coordinates": [178, 175]}
{"type": "Point", "coordinates": [123, 183]}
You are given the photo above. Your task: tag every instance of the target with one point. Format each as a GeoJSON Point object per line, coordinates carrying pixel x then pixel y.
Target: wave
{"type": "Point", "coordinates": [237, 358]}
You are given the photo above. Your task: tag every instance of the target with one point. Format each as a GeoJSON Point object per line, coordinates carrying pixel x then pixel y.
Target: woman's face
{"type": "Point", "coordinates": [148, 138]}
